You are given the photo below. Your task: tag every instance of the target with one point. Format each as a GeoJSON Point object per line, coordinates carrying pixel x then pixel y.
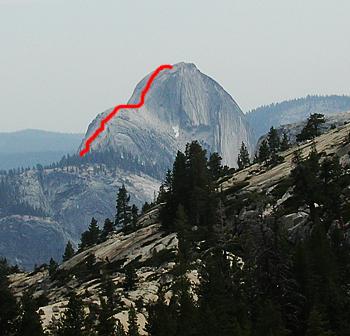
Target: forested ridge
{"type": "Point", "coordinates": [238, 268]}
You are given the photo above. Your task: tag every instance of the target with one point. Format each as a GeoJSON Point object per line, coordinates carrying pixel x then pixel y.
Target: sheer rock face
{"type": "Point", "coordinates": [182, 105]}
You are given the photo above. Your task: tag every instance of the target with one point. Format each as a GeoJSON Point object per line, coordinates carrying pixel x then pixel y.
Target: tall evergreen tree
{"type": "Point", "coordinates": [53, 266]}
{"type": "Point", "coordinates": [120, 331]}
{"type": "Point", "coordinates": [73, 321]}
{"type": "Point", "coordinates": [123, 215]}
{"type": "Point", "coordinates": [133, 327]}
{"type": "Point", "coordinates": [68, 252]}
{"type": "Point", "coordinates": [285, 142]}
{"type": "Point", "coordinates": [106, 321]}
{"type": "Point", "coordinates": [243, 159]}
{"type": "Point", "coordinates": [273, 140]}
{"type": "Point", "coordinates": [215, 166]}
{"type": "Point", "coordinates": [108, 227]}
{"type": "Point", "coordinates": [30, 324]}
{"type": "Point", "coordinates": [264, 152]}
{"type": "Point", "coordinates": [9, 309]}
{"type": "Point", "coordinates": [91, 236]}
{"type": "Point", "coordinates": [312, 127]}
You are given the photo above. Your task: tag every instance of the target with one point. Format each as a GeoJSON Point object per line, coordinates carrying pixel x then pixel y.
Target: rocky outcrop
{"type": "Point", "coordinates": [182, 105]}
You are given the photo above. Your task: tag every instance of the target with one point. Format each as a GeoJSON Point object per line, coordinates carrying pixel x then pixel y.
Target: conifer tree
{"type": "Point", "coordinates": [285, 142]}
{"type": "Point", "coordinates": [243, 160]}
{"type": "Point", "coordinates": [134, 217]}
{"type": "Point", "coordinates": [312, 127]}
{"type": "Point", "coordinates": [184, 246]}
{"type": "Point", "coordinates": [162, 320]}
{"type": "Point", "coordinates": [91, 236]}
{"type": "Point", "coordinates": [273, 140]}
{"type": "Point", "coordinates": [68, 252]}
{"type": "Point", "coordinates": [130, 278]}
{"type": "Point", "coordinates": [30, 323]}
{"type": "Point", "coordinates": [120, 331]}
{"type": "Point", "coordinates": [73, 321]}
{"type": "Point", "coordinates": [106, 321]}
{"type": "Point", "coordinates": [53, 266]}
{"type": "Point", "coordinates": [123, 215]}
{"type": "Point", "coordinates": [215, 166]}
{"type": "Point", "coordinates": [9, 310]}
{"type": "Point", "coordinates": [133, 327]}
{"type": "Point", "coordinates": [264, 152]}
{"type": "Point", "coordinates": [317, 326]}
{"type": "Point", "coordinates": [108, 227]}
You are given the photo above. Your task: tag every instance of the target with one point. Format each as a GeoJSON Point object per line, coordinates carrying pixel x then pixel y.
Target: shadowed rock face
{"type": "Point", "coordinates": [182, 105]}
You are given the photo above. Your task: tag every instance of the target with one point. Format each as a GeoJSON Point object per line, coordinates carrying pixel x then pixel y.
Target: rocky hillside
{"type": "Point", "coordinates": [249, 196]}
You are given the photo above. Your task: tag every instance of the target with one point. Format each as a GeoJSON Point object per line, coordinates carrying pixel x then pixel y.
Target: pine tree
{"type": "Point", "coordinates": [123, 214]}
{"type": "Point", "coordinates": [134, 217]}
{"type": "Point", "coordinates": [317, 326]}
{"type": "Point", "coordinates": [9, 310]}
{"type": "Point", "coordinates": [106, 325]}
{"type": "Point", "coordinates": [108, 227]}
{"type": "Point", "coordinates": [72, 322]}
{"type": "Point", "coordinates": [184, 246]}
{"type": "Point", "coordinates": [312, 127]}
{"type": "Point", "coordinates": [273, 140]}
{"type": "Point", "coordinates": [68, 252]}
{"type": "Point", "coordinates": [133, 327]}
{"type": "Point", "coordinates": [162, 318]}
{"type": "Point", "coordinates": [120, 331]}
{"type": "Point", "coordinates": [264, 152]}
{"type": "Point", "coordinates": [215, 166]}
{"type": "Point", "coordinates": [130, 278]}
{"type": "Point", "coordinates": [243, 160]}
{"type": "Point", "coordinates": [30, 323]}
{"type": "Point", "coordinates": [53, 266]}
{"type": "Point", "coordinates": [91, 236]}
{"type": "Point", "coordinates": [285, 142]}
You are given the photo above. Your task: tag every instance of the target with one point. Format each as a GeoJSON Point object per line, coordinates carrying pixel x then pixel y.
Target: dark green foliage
{"type": "Point", "coordinates": [123, 217]}
{"type": "Point", "coordinates": [133, 327]}
{"type": "Point", "coordinates": [68, 252]}
{"type": "Point", "coordinates": [284, 142]}
{"type": "Point", "coordinates": [273, 140]}
{"type": "Point", "coordinates": [53, 266]}
{"type": "Point", "coordinates": [161, 318]}
{"type": "Point", "coordinates": [106, 321]}
{"type": "Point", "coordinates": [108, 227]}
{"type": "Point", "coordinates": [130, 278]}
{"type": "Point", "coordinates": [9, 309]}
{"type": "Point", "coordinates": [134, 217]}
{"type": "Point", "coordinates": [243, 159]}
{"type": "Point", "coordinates": [120, 331]}
{"type": "Point", "coordinates": [215, 166]}
{"type": "Point", "coordinates": [91, 236]}
{"type": "Point", "coordinates": [305, 177]}
{"type": "Point", "coordinates": [312, 127]}
{"type": "Point", "coordinates": [190, 185]}
{"type": "Point", "coordinates": [72, 322]}
{"type": "Point", "coordinates": [264, 152]}
{"type": "Point", "coordinates": [317, 326]}
{"type": "Point", "coordinates": [30, 324]}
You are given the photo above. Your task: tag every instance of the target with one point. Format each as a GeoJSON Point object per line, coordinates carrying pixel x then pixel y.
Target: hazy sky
{"type": "Point", "coordinates": [64, 61]}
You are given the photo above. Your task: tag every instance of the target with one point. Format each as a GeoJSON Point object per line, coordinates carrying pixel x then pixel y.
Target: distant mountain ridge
{"type": "Point", "coordinates": [26, 148]}
{"type": "Point", "coordinates": [295, 110]}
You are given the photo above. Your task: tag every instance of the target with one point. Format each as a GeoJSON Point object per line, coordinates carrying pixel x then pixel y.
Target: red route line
{"type": "Point", "coordinates": [111, 115]}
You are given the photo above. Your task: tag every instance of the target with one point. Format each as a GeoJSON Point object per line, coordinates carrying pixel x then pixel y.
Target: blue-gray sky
{"type": "Point", "coordinates": [64, 61]}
